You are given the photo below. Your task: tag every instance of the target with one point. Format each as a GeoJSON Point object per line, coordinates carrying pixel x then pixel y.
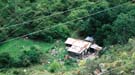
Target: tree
{"type": "Point", "coordinates": [124, 28]}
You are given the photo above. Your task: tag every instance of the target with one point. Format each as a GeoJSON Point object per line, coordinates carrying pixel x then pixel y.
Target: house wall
{"type": "Point", "coordinates": [80, 56]}
{"type": "Point", "coordinates": [83, 54]}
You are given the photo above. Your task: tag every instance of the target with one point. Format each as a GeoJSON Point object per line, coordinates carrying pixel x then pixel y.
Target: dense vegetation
{"type": "Point", "coordinates": [30, 16]}
{"type": "Point", "coordinates": [26, 58]}
{"type": "Point", "coordinates": [110, 22]}
{"type": "Point", "coordinates": [117, 60]}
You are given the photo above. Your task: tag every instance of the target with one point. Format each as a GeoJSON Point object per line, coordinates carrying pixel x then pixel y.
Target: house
{"type": "Point", "coordinates": [79, 48]}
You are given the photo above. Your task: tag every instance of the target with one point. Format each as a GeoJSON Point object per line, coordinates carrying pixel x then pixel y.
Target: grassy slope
{"type": "Point", "coordinates": [118, 59]}
{"type": "Point", "coordinates": [123, 54]}
{"type": "Point", "coordinates": [15, 47]}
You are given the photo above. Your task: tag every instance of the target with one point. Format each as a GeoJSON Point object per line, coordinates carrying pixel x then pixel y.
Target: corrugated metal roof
{"type": "Point", "coordinates": [78, 46]}
{"type": "Point", "coordinates": [90, 39]}
{"type": "Point", "coordinates": [70, 41]}
{"type": "Point", "coordinates": [96, 47]}
{"type": "Point", "coordinates": [76, 49]}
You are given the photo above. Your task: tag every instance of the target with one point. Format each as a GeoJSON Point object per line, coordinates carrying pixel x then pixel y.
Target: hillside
{"type": "Point", "coordinates": [33, 35]}
{"type": "Point", "coordinates": [116, 58]}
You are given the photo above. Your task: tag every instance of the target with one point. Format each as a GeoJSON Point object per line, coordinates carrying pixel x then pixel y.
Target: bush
{"type": "Point", "coordinates": [70, 61]}
{"type": "Point", "coordinates": [5, 60]}
{"type": "Point", "coordinates": [54, 66]}
{"type": "Point", "coordinates": [26, 58]}
{"type": "Point", "coordinates": [18, 72]}
{"type": "Point", "coordinates": [31, 56]}
{"type": "Point", "coordinates": [91, 66]}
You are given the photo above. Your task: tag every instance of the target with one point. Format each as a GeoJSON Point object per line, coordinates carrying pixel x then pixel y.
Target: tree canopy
{"type": "Point", "coordinates": [34, 15]}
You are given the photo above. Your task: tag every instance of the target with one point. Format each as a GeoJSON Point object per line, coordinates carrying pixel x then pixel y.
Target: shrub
{"type": "Point", "coordinates": [24, 60]}
{"type": "Point", "coordinates": [91, 66]}
{"type": "Point", "coordinates": [54, 66]}
{"type": "Point", "coordinates": [18, 72]}
{"type": "Point", "coordinates": [32, 56]}
{"type": "Point", "coordinates": [70, 61]}
{"type": "Point", "coordinates": [5, 60]}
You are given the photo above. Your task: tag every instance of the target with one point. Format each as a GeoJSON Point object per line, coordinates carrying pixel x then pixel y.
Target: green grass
{"type": "Point", "coordinates": [15, 47]}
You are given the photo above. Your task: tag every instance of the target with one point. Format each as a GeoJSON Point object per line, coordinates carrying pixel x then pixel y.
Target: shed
{"type": "Point", "coordinates": [89, 39]}
{"type": "Point", "coordinates": [70, 41]}
{"type": "Point", "coordinates": [96, 47]}
{"type": "Point", "coordinates": [80, 48]}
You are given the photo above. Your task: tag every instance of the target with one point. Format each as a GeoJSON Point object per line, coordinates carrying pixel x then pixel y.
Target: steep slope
{"type": "Point", "coordinates": [116, 60]}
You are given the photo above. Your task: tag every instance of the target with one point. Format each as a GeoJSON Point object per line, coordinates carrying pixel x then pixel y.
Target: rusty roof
{"type": "Point", "coordinates": [96, 47]}
{"type": "Point", "coordinates": [78, 46]}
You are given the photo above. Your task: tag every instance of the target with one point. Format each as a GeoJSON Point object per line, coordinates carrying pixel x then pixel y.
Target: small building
{"type": "Point", "coordinates": [79, 48]}
{"type": "Point", "coordinates": [89, 39]}
{"type": "Point", "coordinates": [96, 47]}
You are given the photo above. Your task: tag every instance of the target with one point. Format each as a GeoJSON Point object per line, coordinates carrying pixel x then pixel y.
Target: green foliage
{"type": "Point", "coordinates": [14, 48]}
{"type": "Point", "coordinates": [25, 59]}
{"type": "Point", "coordinates": [113, 26]}
{"type": "Point", "coordinates": [114, 2]}
{"type": "Point", "coordinates": [18, 72]}
{"type": "Point", "coordinates": [117, 60]}
{"type": "Point", "coordinates": [91, 67]}
{"type": "Point", "coordinates": [54, 66]}
{"type": "Point", "coordinates": [70, 61]}
{"type": "Point", "coordinates": [31, 56]}
{"type": "Point", "coordinates": [5, 60]}
{"type": "Point", "coordinates": [101, 25]}
{"type": "Point", "coordinates": [77, 13]}
{"type": "Point", "coordinates": [60, 32]}
{"type": "Point", "coordinates": [3, 35]}
{"type": "Point", "coordinates": [124, 27]}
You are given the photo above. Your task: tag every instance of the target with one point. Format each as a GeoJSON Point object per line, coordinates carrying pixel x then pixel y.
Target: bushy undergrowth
{"type": "Point", "coordinates": [26, 58]}
{"type": "Point", "coordinates": [55, 66]}
{"type": "Point", "coordinates": [5, 60]}
{"type": "Point", "coordinates": [116, 60]}
{"type": "Point", "coordinates": [118, 22]}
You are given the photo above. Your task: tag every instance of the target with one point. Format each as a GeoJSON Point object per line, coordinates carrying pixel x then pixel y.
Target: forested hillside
{"type": "Point", "coordinates": [31, 29]}
{"type": "Point", "coordinates": [19, 17]}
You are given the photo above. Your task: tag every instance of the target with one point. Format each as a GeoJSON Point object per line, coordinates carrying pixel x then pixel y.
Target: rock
{"type": "Point", "coordinates": [54, 52]}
